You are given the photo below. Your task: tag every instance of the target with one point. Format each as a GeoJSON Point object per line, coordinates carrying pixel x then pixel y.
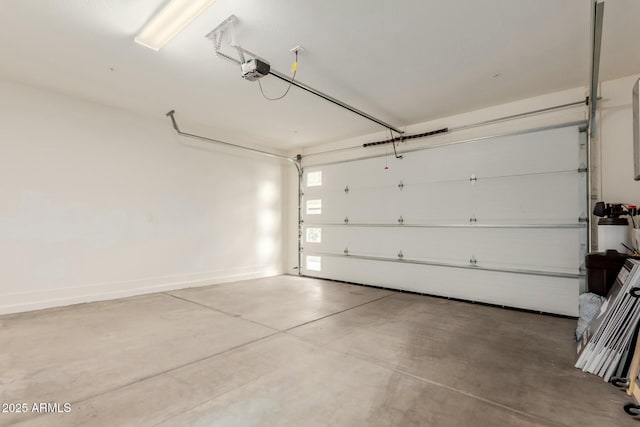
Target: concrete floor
{"type": "Point", "coordinates": [287, 351]}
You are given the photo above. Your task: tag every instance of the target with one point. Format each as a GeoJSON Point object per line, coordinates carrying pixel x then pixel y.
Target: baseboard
{"type": "Point", "coordinates": [41, 299]}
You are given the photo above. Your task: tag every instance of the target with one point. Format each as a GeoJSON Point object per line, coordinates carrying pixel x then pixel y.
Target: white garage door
{"type": "Point", "coordinates": [498, 220]}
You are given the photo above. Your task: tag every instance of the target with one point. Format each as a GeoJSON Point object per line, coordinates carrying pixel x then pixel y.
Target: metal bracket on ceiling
{"type": "Point", "coordinates": [226, 29]}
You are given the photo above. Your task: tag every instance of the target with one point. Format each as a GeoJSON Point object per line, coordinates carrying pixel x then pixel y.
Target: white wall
{"type": "Point", "coordinates": [100, 203]}
{"type": "Point", "coordinates": [616, 134]}
{"type": "Point", "coordinates": [612, 159]}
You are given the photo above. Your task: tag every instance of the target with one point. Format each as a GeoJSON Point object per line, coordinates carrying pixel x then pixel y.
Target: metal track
{"type": "Point", "coordinates": [597, 14]}
{"type": "Point", "coordinates": [171, 115]}
{"type": "Point", "coordinates": [581, 124]}
{"type": "Point", "coordinates": [464, 127]}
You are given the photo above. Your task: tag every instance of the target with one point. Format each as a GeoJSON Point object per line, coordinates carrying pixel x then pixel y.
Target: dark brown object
{"type": "Point", "coordinates": [602, 270]}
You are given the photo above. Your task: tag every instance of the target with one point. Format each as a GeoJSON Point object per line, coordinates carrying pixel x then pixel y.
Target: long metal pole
{"type": "Point", "coordinates": [333, 100]}
{"type": "Point", "coordinates": [581, 124]}
{"type": "Point", "coordinates": [171, 114]}
{"type": "Point", "coordinates": [597, 14]}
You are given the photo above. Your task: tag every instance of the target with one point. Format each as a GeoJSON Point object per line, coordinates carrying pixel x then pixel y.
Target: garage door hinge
{"type": "Point", "coordinates": [583, 219]}
{"type": "Point", "coordinates": [473, 261]}
{"type": "Point", "coordinates": [400, 255]}
{"type": "Point", "coordinates": [473, 178]}
{"type": "Point", "coordinates": [401, 186]}
{"type": "Point", "coordinates": [346, 190]}
{"type": "Point", "coordinates": [582, 168]}
{"type": "Point", "coordinates": [346, 220]}
{"type": "Point", "coordinates": [400, 220]}
{"type": "Point", "coordinates": [473, 219]}
{"type": "Point", "coordinates": [346, 251]}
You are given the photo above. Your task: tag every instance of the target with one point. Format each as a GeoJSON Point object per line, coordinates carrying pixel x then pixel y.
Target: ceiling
{"type": "Point", "coordinates": [404, 61]}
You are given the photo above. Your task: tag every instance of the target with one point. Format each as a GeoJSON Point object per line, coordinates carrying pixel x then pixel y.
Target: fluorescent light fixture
{"type": "Point", "coordinates": [172, 19]}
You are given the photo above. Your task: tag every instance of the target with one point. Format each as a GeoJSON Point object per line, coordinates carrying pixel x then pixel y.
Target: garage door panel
{"type": "Point", "coordinates": [510, 200]}
{"type": "Point", "coordinates": [367, 173]}
{"type": "Point", "coordinates": [482, 211]}
{"type": "Point", "coordinates": [547, 151]}
{"type": "Point", "coordinates": [537, 152]}
{"type": "Point", "coordinates": [438, 203]}
{"type": "Point", "coordinates": [549, 198]}
{"type": "Point", "coordinates": [387, 242]}
{"type": "Point", "coordinates": [521, 248]}
{"type": "Point", "coordinates": [548, 294]}
{"type": "Point", "coordinates": [490, 247]}
{"type": "Point", "coordinates": [382, 204]}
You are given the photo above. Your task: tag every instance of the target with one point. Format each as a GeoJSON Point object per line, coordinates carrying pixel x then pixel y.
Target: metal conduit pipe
{"type": "Point", "coordinates": [296, 162]}
{"type": "Point", "coordinates": [171, 114]}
